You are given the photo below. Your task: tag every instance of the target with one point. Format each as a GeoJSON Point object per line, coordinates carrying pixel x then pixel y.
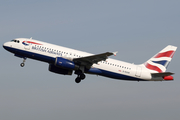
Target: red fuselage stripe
{"type": "Point", "coordinates": [32, 42]}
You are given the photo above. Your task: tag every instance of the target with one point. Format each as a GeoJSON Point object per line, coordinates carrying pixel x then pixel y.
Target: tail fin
{"type": "Point", "coordinates": [160, 61]}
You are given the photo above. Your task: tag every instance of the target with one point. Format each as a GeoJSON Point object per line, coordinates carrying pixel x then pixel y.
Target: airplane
{"type": "Point", "coordinates": [65, 61]}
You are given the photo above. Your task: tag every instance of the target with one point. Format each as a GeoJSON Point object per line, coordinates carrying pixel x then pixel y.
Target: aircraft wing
{"type": "Point", "coordinates": [89, 60]}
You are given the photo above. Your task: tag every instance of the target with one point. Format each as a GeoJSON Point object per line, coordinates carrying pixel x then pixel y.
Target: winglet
{"type": "Point", "coordinates": [115, 53]}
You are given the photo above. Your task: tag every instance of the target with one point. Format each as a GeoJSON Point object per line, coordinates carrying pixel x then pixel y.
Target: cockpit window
{"type": "Point", "coordinates": [17, 41]}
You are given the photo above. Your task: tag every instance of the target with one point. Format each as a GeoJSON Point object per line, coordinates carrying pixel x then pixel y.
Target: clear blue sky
{"type": "Point", "coordinates": [137, 29]}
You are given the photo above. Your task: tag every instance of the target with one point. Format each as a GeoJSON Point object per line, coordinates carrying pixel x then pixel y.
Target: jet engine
{"type": "Point", "coordinates": [58, 70]}
{"type": "Point", "coordinates": [65, 63]}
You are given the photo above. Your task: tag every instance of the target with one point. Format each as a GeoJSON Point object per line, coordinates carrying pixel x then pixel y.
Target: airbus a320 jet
{"type": "Point", "coordinates": [65, 61]}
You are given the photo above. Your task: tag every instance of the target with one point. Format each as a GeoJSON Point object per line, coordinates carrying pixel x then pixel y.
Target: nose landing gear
{"type": "Point", "coordinates": [23, 63]}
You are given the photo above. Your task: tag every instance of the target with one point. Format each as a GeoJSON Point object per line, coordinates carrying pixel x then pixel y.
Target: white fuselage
{"type": "Point", "coordinates": [48, 52]}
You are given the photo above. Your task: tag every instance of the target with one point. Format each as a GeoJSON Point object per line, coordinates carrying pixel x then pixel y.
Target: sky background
{"type": "Point", "coordinates": [136, 29]}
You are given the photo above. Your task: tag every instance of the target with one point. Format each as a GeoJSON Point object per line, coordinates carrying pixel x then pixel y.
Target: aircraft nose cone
{"type": "Point", "coordinates": [5, 46]}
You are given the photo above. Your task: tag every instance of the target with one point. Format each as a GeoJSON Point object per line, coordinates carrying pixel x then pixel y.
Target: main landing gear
{"type": "Point", "coordinates": [81, 76]}
{"type": "Point", "coordinates": [23, 63]}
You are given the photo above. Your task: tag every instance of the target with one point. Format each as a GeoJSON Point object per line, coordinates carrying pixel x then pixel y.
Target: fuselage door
{"type": "Point", "coordinates": [138, 71]}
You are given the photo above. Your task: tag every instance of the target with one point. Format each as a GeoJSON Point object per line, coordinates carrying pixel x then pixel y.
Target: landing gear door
{"type": "Point", "coordinates": [138, 71]}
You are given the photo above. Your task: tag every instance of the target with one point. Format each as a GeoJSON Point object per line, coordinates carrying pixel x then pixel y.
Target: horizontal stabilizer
{"type": "Point", "coordinates": [161, 74]}
{"type": "Point", "coordinates": [115, 53]}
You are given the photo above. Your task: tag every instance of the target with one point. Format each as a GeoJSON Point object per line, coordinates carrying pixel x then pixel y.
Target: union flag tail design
{"type": "Point", "coordinates": [161, 60]}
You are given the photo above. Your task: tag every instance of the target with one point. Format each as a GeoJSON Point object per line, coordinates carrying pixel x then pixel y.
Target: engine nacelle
{"type": "Point", "coordinates": [58, 70]}
{"type": "Point", "coordinates": [65, 63]}
{"type": "Point", "coordinates": [168, 77]}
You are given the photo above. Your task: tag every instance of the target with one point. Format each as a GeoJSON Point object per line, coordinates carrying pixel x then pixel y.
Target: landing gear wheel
{"type": "Point", "coordinates": [82, 76]}
{"type": "Point", "coordinates": [78, 80]}
{"type": "Point", "coordinates": [22, 64]}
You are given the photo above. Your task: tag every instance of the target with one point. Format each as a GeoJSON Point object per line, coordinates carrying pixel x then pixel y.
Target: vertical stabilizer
{"type": "Point", "coordinates": [161, 60]}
